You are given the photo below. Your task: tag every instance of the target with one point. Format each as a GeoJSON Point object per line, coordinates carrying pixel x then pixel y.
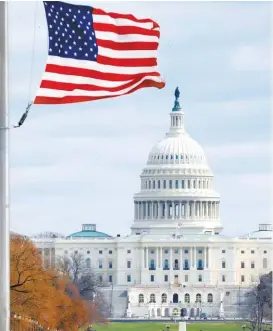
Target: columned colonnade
{"type": "Point", "coordinates": [192, 256]}
{"type": "Point", "coordinates": [176, 209]}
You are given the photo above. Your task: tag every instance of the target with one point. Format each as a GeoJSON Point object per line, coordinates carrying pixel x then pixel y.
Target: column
{"type": "Point", "coordinates": [171, 259]}
{"type": "Point", "coordinates": [156, 257]}
{"type": "Point", "coordinates": [50, 258]}
{"type": "Point", "coordinates": [152, 209]}
{"type": "Point", "coordinates": [209, 209]}
{"type": "Point", "coordinates": [208, 258]}
{"type": "Point", "coordinates": [173, 209]}
{"type": "Point", "coordinates": [135, 204]}
{"type": "Point", "coordinates": [205, 257]}
{"type": "Point", "coordinates": [193, 209]}
{"type": "Point", "coordinates": [200, 209]}
{"type": "Point", "coordinates": [142, 264]}
{"type": "Point", "coordinates": [197, 209]}
{"type": "Point", "coordinates": [181, 258]}
{"type": "Point", "coordinates": [147, 256]}
{"type": "Point", "coordinates": [213, 210]}
{"type": "Point", "coordinates": [160, 258]}
{"type": "Point", "coordinates": [146, 208]}
{"type": "Point", "coordinates": [166, 209]}
{"type": "Point", "coordinates": [193, 257]}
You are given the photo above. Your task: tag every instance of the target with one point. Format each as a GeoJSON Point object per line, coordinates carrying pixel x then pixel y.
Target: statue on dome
{"type": "Point", "coordinates": [176, 102]}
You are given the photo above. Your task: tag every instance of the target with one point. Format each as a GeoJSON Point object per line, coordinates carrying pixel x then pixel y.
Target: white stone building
{"type": "Point", "coordinates": [175, 261]}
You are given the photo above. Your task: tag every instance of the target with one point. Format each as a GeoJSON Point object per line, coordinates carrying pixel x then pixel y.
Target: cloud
{"type": "Point", "coordinates": [255, 57]}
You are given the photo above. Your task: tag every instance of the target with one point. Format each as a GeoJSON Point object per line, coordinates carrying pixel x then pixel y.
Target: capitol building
{"type": "Point", "coordinates": [175, 261]}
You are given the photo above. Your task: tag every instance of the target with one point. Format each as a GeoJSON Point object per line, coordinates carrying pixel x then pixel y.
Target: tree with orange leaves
{"type": "Point", "coordinates": [44, 295]}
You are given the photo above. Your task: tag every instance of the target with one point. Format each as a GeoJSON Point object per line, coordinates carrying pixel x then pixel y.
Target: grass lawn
{"type": "Point", "coordinates": [142, 326]}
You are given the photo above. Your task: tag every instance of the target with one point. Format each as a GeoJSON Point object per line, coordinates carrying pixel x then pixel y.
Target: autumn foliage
{"type": "Point", "coordinates": [45, 295]}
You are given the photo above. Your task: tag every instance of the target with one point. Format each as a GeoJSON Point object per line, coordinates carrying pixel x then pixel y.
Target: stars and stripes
{"type": "Point", "coordinates": [93, 54]}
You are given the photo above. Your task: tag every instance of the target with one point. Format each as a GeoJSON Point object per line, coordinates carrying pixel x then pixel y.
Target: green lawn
{"type": "Point", "coordinates": [142, 326]}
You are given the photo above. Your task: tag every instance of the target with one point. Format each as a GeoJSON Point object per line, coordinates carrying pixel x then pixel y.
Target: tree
{"type": "Point", "coordinates": [260, 302]}
{"type": "Point", "coordinates": [43, 294]}
{"type": "Point", "coordinates": [79, 271]}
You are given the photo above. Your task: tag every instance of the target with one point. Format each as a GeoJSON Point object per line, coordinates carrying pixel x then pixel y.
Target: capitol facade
{"type": "Point", "coordinates": [175, 262]}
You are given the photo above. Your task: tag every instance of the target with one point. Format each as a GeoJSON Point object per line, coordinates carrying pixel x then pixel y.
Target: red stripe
{"type": "Point", "coordinates": [127, 62]}
{"type": "Point", "coordinates": [74, 99]}
{"type": "Point", "coordinates": [128, 46]}
{"type": "Point", "coordinates": [64, 70]}
{"type": "Point", "coordinates": [125, 16]}
{"type": "Point", "coordinates": [122, 30]}
{"type": "Point", "coordinates": [53, 85]}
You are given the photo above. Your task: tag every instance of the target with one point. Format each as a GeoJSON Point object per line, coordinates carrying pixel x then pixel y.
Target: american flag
{"type": "Point", "coordinates": [93, 54]}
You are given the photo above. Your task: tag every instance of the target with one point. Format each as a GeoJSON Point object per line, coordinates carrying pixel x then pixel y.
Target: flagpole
{"type": "Point", "coordinates": [4, 174]}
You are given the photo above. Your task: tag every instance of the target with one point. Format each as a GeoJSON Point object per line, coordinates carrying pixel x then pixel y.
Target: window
{"type": "Point", "coordinates": [110, 252]}
{"type": "Point", "coordinates": [186, 265]}
{"type": "Point", "coordinates": [189, 184]}
{"type": "Point", "coordinates": [242, 265]}
{"type": "Point", "coordinates": [110, 278]}
{"type": "Point", "coordinates": [158, 184]}
{"type": "Point", "coordinates": [187, 298]}
{"type": "Point", "coordinates": [152, 278]}
{"type": "Point", "coordinates": [129, 278]}
{"type": "Point", "coordinates": [129, 264]}
{"type": "Point", "coordinates": [100, 278]}
{"type": "Point", "coordinates": [164, 183]}
{"type": "Point", "coordinates": [165, 278]}
{"type": "Point", "coordinates": [194, 186]}
{"type": "Point", "coordinates": [88, 263]}
{"type": "Point", "coordinates": [152, 264]}
{"type": "Point", "coordinates": [264, 263]}
{"type": "Point", "coordinates": [100, 252]}
{"type": "Point", "coordinates": [242, 252]}
{"type": "Point", "coordinates": [153, 184]}
{"type": "Point", "coordinates": [66, 252]}
{"type": "Point", "coordinates": [227, 294]}
{"type": "Point", "coordinates": [88, 252]}
{"type": "Point", "coordinates": [186, 251]}
{"type": "Point", "coordinates": [183, 183]}
{"type": "Point", "coordinates": [252, 252]}
{"type": "Point", "coordinates": [223, 278]}
{"type": "Point", "coordinates": [110, 264]}
{"type": "Point", "coordinates": [170, 184]}
{"type": "Point", "coordinates": [100, 264]}
{"type": "Point", "coordinates": [152, 251]}
{"type": "Point", "coordinates": [252, 265]}
{"type": "Point", "coordinates": [141, 298]}
{"type": "Point", "coordinates": [200, 265]}
{"type": "Point", "coordinates": [164, 298]}
{"type": "Point", "coordinates": [200, 251]}
{"type": "Point", "coordinates": [223, 251]}
{"type": "Point", "coordinates": [186, 278]}
{"type": "Point", "coordinates": [152, 298]}
{"type": "Point", "coordinates": [223, 264]}
{"type": "Point", "coordinates": [128, 251]}
{"type": "Point", "coordinates": [176, 184]}
{"type": "Point", "coordinates": [76, 252]}
{"type": "Point", "coordinates": [176, 156]}
{"type": "Point", "coordinates": [242, 278]}
{"type": "Point", "coordinates": [210, 298]}
{"type": "Point", "coordinates": [176, 251]}
{"type": "Point", "coordinates": [199, 278]}
{"type": "Point", "coordinates": [149, 184]}
{"type": "Point", "coordinates": [265, 252]}
{"type": "Point", "coordinates": [198, 297]}
{"type": "Point", "coordinates": [166, 251]}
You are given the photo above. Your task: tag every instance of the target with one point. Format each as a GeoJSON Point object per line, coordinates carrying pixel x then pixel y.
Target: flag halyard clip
{"type": "Point", "coordinates": [23, 117]}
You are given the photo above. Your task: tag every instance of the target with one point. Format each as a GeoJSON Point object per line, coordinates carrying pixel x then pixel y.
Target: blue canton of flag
{"type": "Point", "coordinates": [70, 29]}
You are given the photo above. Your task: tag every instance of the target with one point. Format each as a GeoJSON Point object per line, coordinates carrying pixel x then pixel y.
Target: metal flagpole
{"type": "Point", "coordinates": [4, 175]}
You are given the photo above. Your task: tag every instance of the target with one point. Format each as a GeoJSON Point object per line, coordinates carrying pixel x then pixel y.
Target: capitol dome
{"type": "Point", "coordinates": [177, 185]}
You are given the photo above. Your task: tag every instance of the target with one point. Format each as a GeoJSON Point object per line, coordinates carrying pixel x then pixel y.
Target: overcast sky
{"type": "Point", "coordinates": [80, 163]}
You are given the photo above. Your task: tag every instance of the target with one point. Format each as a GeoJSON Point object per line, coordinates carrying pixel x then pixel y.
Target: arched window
{"type": "Point", "coordinates": [210, 298]}
{"type": "Point", "coordinates": [141, 298]}
{"type": "Point", "coordinates": [198, 297]}
{"type": "Point", "coordinates": [187, 298]}
{"type": "Point", "coordinates": [152, 298]}
{"type": "Point", "coordinates": [176, 264]}
{"type": "Point", "coordinates": [88, 263]}
{"type": "Point", "coordinates": [164, 298]}
{"type": "Point", "coordinates": [265, 263]}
